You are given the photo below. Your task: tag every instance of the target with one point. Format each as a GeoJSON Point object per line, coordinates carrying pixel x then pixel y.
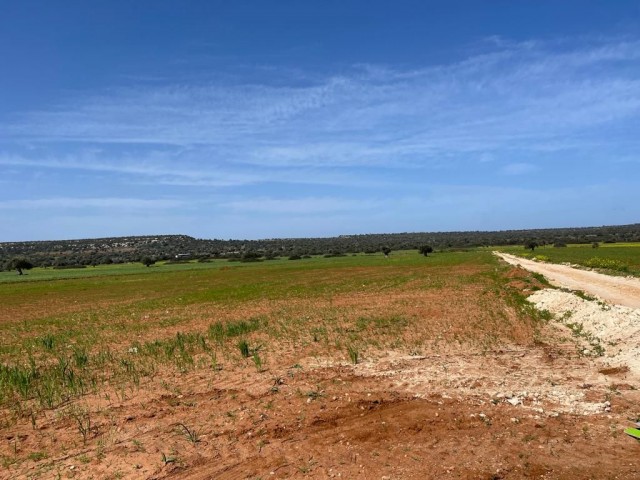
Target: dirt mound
{"type": "Point", "coordinates": [614, 328]}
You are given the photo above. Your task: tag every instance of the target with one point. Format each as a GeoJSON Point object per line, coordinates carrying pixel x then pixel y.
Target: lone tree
{"type": "Point", "coordinates": [531, 245]}
{"type": "Point", "coordinates": [425, 250]}
{"type": "Point", "coordinates": [19, 264]}
{"type": "Point", "coordinates": [147, 261]}
{"type": "Point", "coordinates": [386, 251]}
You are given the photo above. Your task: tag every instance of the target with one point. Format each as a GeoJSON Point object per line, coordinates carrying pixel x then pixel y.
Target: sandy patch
{"type": "Point", "coordinates": [616, 327]}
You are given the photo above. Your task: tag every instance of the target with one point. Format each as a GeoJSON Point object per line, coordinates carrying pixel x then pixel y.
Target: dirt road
{"type": "Point", "coordinates": [615, 290]}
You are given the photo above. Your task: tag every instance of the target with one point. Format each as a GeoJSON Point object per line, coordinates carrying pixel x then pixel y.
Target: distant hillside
{"type": "Point", "coordinates": [65, 253]}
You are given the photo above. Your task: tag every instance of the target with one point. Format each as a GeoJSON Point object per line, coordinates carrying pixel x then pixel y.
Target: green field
{"type": "Point", "coordinates": [36, 274]}
{"type": "Point", "coordinates": [65, 333]}
{"type": "Point", "coordinates": [612, 258]}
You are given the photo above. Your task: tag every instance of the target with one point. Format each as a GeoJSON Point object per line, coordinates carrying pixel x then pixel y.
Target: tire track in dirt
{"type": "Point", "coordinates": [617, 290]}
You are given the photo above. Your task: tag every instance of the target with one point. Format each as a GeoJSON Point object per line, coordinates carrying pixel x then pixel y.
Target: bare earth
{"type": "Point", "coordinates": [616, 290]}
{"type": "Point", "coordinates": [553, 409]}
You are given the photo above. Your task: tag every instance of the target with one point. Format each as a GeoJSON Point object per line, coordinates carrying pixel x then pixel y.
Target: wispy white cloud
{"type": "Point", "coordinates": [169, 168]}
{"type": "Point", "coordinates": [303, 205]}
{"type": "Point", "coordinates": [441, 207]}
{"type": "Point", "coordinates": [518, 169]}
{"type": "Point", "coordinates": [285, 156]}
{"type": "Point", "coordinates": [519, 96]}
{"type": "Point", "coordinates": [93, 203]}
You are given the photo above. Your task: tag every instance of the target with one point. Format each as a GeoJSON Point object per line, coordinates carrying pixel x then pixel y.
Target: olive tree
{"type": "Point", "coordinates": [147, 261]}
{"type": "Point", "coordinates": [19, 264]}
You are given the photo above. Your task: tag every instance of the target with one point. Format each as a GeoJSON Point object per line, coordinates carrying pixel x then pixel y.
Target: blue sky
{"type": "Point", "coordinates": [261, 119]}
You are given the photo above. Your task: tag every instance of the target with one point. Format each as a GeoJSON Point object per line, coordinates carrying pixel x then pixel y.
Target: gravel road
{"type": "Point", "coordinates": [616, 290]}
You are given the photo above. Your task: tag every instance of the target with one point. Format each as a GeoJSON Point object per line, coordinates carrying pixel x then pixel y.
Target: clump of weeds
{"type": "Point", "coordinates": [82, 418]}
{"type": "Point", "coordinates": [190, 433]}
{"type": "Point", "coordinates": [257, 361]}
{"type": "Point", "coordinates": [354, 354]}
{"type": "Point", "coordinates": [243, 346]}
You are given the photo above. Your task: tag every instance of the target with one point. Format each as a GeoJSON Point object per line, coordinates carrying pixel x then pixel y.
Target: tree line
{"type": "Point", "coordinates": [178, 248]}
